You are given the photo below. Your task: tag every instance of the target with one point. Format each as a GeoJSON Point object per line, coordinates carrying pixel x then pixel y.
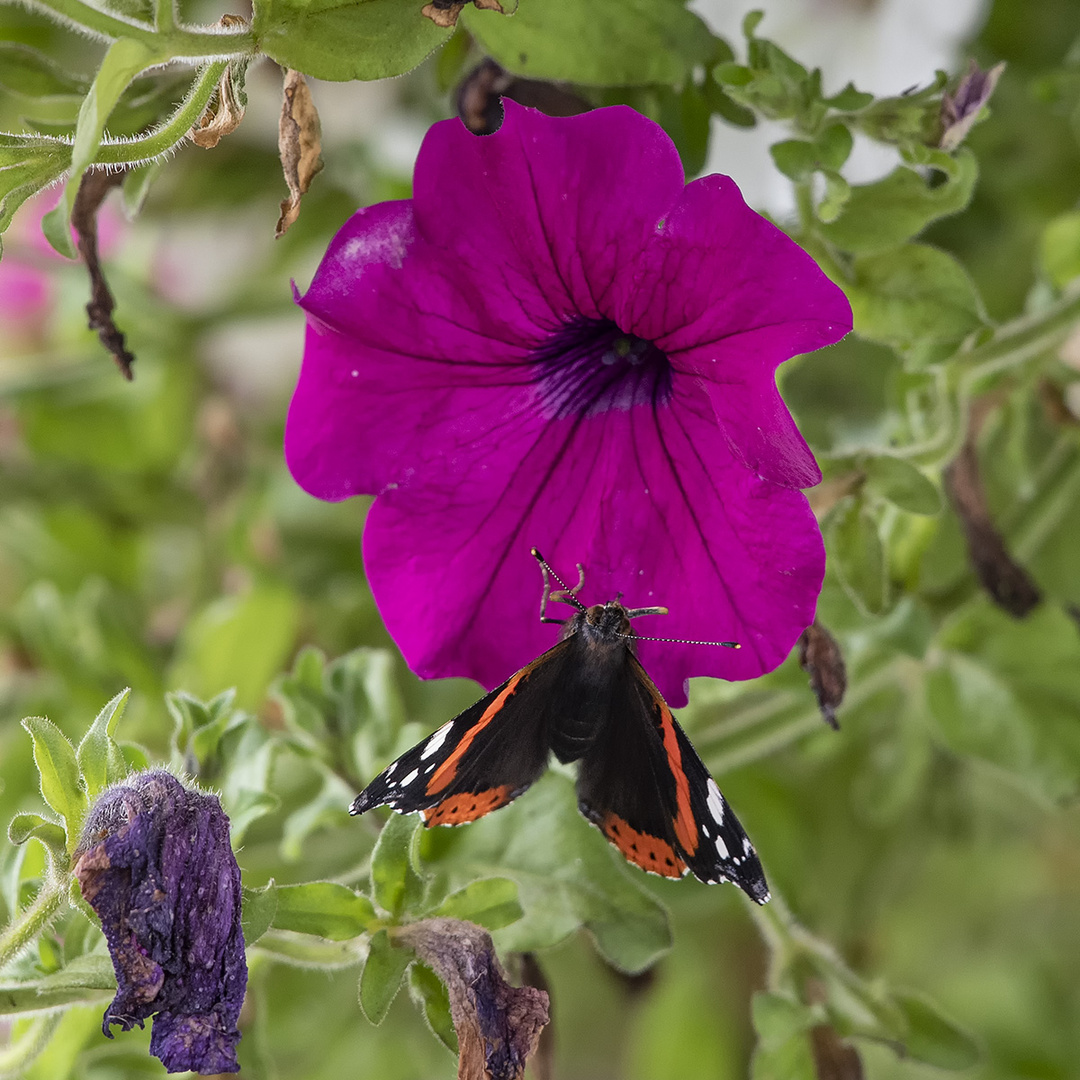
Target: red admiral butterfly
{"type": "Point", "coordinates": [586, 699]}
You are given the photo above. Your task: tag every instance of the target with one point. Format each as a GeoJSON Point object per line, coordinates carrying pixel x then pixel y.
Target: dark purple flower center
{"type": "Point", "coordinates": [590, 366]}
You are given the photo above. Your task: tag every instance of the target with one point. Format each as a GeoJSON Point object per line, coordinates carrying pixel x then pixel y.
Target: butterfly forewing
{"type": "Point", "coordinates": [480, 760]}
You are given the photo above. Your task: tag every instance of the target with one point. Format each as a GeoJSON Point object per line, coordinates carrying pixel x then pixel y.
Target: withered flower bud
{"type": "Point", "coordinates": [155, 863]}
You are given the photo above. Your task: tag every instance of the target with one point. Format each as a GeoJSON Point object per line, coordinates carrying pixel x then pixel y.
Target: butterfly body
{"type": "Point", "coordinates": [589, 700]}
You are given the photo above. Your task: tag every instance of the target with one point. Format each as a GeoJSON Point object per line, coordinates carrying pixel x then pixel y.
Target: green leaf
{"type": "Point", "coordinates": [43, 90]}
{"type": "Point", "coordinates": [259, 909]}
{"type": "Point", "coordinates": [490, 902]}
{"type": "Point", "coordinates": [381, 978]}
{"type": "Point", "coordinates": [977, 713]}
{"type": "Point", "coordinates": [91, 971]}
{"type": "Point", "coordinates": [913, 297]}
{"type": "Point", "coordinates": [834, 146]}
{"type": "Point", "coordinates": [837, 193]}
{"type": "Point", "coordinates": [1059, 248]}
{"type": "Point", "coordinates": [23, 827]}
{"type": "Point", "coordinates": [395, 885]}
{"type": "Point", "coordinates": [934, 1038]}
{"type": "Point", "coordinates": [137, 186]}
{"type": "Point", "coordinates": [124, 59]}
{"type": "Point", "coordinates": [100, 759]}
{"type": "Point", "coordinates": [795, 158]}
{"type": "Point", "coordinates": [325, 909]}
{"type": "Point", "coordinates": [631, 43]}
{"type": "Point", "coordinates": [59, 772]}
{"type": "Point", "coordinates": [28, 163]}
{"type": "Point", "coordinates": [313, 952]}
{"type": "Point", "coordinates": [241, 641]}
{"type": "Point", "coordinates": [858, 556]}
{"type": "Point", "coordinates": [329, 39]}
{"type": "Point", "coordinates": [430, 996]}
{"type": "Point", "coordinates": [884, 214]}
{"type": "Point", "coordinates": [568, 877]}
{"type": "Point", "coordinates": [778, 1017]}
{"type": "Point", "coordinates": [902, 484]}
{"type": "Point", "coordinates": [849, 99]}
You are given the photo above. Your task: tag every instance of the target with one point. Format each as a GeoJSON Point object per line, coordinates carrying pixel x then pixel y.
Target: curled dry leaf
{"type": "Point", "coordinates": [93, 188]}
{"type": "Point", "coordinates": [822, 659]}
{"type": "Point", "coordinates": [1008, 583]}
{"type": "Point", "coordinates": [479, 93]}
{"type": "Point", "coordinates": [300, 145]}
{"type": "Point", "coordinates": [445, 12]}
{"type": "Point", "coordinates": [223, 116]}
{"type": "Point", "coordinates": [498, 1025]}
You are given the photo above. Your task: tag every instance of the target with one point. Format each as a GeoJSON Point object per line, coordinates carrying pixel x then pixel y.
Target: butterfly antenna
{"type": "Point", "coordinates": [563, 594]}
{"type": "Point", "coordinates": [684, 641]}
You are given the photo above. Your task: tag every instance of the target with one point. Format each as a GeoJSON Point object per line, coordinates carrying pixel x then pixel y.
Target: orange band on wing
{"type": "Point", "coordinates": [649, 852]}
{"type": "Point", "coordinates": [685, 829]}
{"type": "Point", "coordinates": [457, 809]}
{"type": "Point", "coordinates": [446, 772]}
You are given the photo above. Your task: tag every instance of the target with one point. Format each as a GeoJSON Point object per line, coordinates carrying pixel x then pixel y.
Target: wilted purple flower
{"type": "Point", "coordinates": [559, 343]}
{"type": "Point", "coordinates": [155, 864]}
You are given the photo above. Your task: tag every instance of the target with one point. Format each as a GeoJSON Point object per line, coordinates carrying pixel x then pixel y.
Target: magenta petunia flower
{"type": "Point", "coordinates": [558, 342]}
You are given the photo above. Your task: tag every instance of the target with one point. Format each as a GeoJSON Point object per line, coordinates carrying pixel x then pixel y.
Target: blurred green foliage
{"type": "Point", "coordinates": [150, 537]}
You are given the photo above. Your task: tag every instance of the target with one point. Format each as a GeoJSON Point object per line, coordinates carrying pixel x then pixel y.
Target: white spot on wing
{"type": "Point", "coordinates": [715, 802]}
{"type": "Point", "coordinates": [436, 741]}
{"type": "Point", "coordinates": [390, 771]}
{"type": "Point", "coordinates": [407, 780]}
{"type": "Point", "coordinates": [721, 849]}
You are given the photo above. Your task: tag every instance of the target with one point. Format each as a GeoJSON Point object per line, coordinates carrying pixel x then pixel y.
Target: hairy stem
{"type": "Point", "coordinates": [26, 926]}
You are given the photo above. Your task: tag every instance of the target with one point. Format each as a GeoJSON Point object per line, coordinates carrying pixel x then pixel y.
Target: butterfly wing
{"type": "Point", "coordinates": [482, 759]}
{"type": "Point", "coordinates": [645, 787]}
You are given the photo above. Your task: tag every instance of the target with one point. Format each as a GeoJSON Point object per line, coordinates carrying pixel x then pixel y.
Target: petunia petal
{"type": "Point", "coordinates": [729, 297]}
{"type": "Point", "coordinates": [568, 203]}
{"type": "Point", "coordinates": [651, 502]}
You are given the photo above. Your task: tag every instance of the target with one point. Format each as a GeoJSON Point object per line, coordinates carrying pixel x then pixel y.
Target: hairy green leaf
{"type": "Point", "coordinates": [381, 978]}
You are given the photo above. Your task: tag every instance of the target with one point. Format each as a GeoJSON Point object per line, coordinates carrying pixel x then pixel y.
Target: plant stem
{"type": "Point", "coordinates": [179, 43]}
{"type": "Point", "coordinates": [135, 151]}
{"type": "Point", "coordinates": [1023, 338]}
{"type": "Point", "coordinates": [26, 926]}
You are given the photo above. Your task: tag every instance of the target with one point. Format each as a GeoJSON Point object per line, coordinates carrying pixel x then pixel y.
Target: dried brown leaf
{"type": "Point", "coordinates": [822, 659]}
{"type": "Point", "coordinates": [1008, 583]}
{"type": "Point", "coordinates": [834, 1059]}
{"type": "Point", "coordinates": [445, 13]}
{"type": "Point", "coordinates": [300, 145]}
{"type": "Point", "coordinates": [222, 117]}
{"type": "Point", "coordinates": [93, 188]}
{"type": "Point", "coordinates": [498, 1025]}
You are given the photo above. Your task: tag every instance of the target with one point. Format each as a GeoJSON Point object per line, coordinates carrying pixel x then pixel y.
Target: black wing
{"type": "Point", "coordinates": [645, 787]}
{"type": "Point", "coordinates": [480, 760]}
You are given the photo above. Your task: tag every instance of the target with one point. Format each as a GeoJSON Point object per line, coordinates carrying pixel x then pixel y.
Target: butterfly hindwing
{"type": "Point", "coordinates": [482, 759]}
{"type": "Point", "coordinates": [645, 787]}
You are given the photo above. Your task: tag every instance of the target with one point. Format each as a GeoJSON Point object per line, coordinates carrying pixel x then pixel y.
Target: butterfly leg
{"type": "Point", "coordinates": [563, 595]}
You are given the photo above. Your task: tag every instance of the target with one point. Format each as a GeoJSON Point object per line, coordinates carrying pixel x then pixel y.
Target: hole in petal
{"type": "Point", "coordinates": [590, 366]}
